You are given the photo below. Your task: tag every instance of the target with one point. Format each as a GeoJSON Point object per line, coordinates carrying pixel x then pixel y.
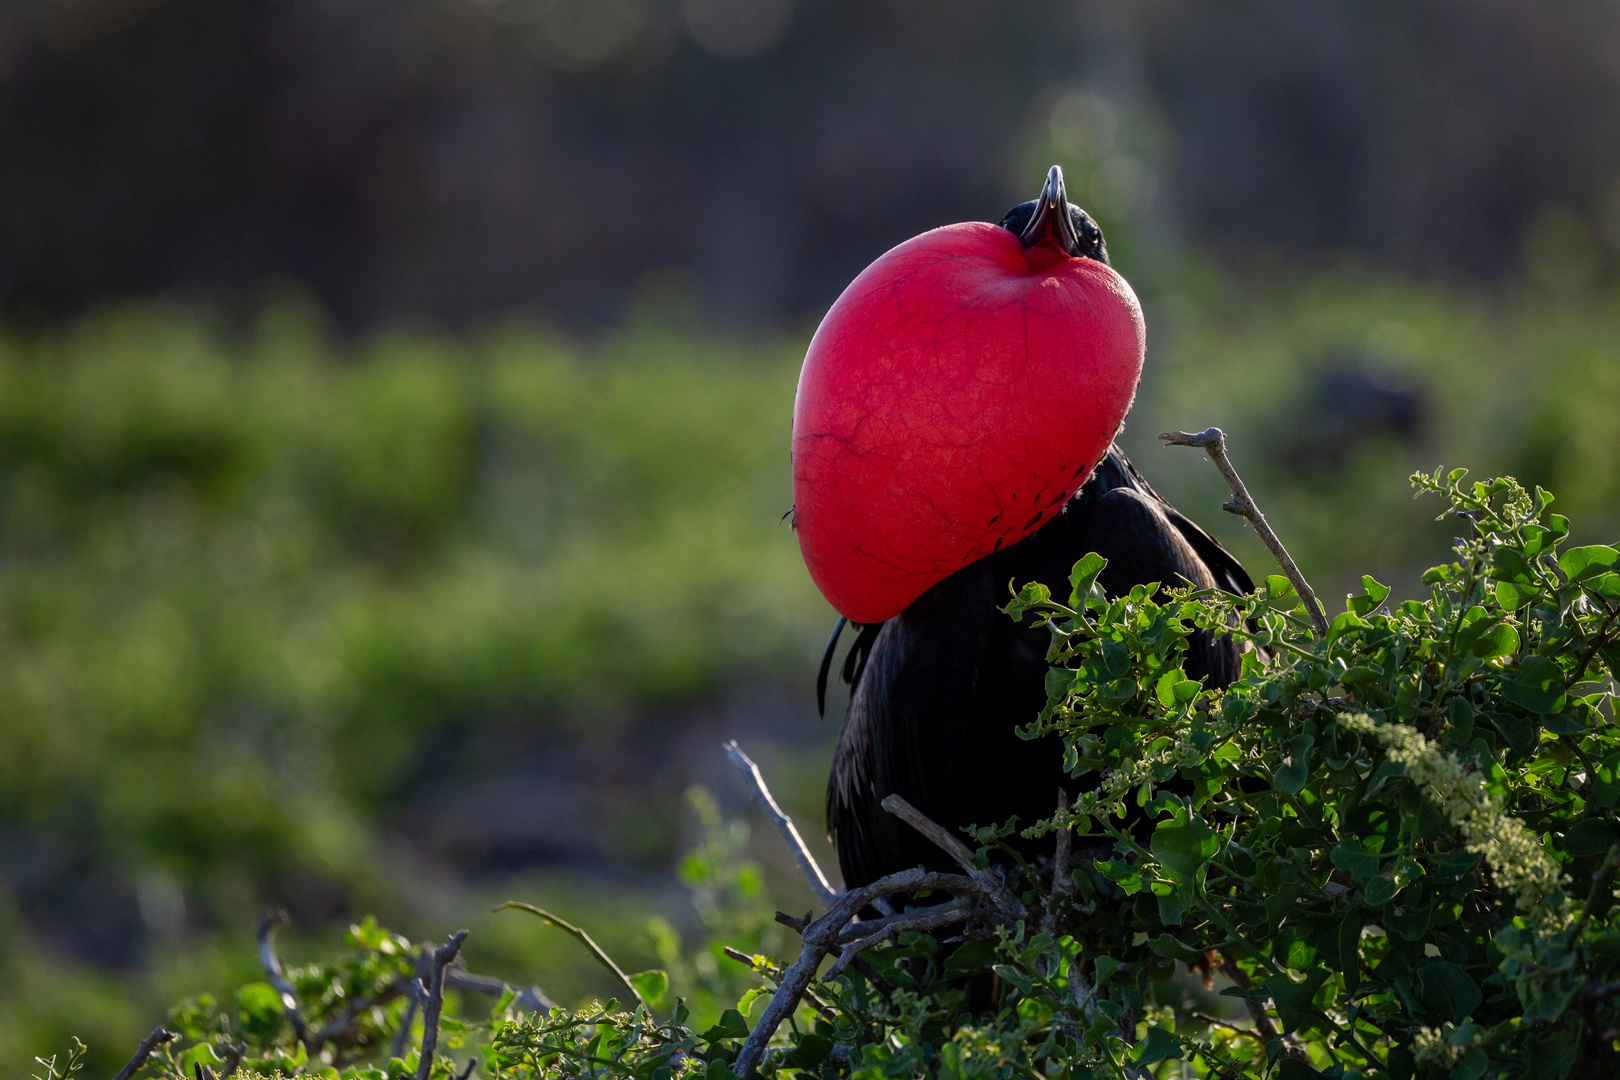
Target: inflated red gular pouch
{"type": "Point", "coordinates": [956, 395]}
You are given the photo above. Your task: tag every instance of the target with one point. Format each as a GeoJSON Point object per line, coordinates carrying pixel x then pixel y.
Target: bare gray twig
{"type": "Point", "coordinates": [272, 967]}
{"type": "Point", "coordinates": [158, 1037]}
{"type": "Point", "coordinates": [433, 1002]}
{"type": "Point", "coordinates": [823, 935]}
{"type": "Point", "coordinates": [998, 893]}
{"type": "Point", "coordinates": [1213, 440]}
{"type": "Point", "coordinates": [1062, 883]}
{"type": "Point", "coordinates": [784, 824]}
{"type": "Point", "coordinates": [529, 997]}
{"type": "Point", "coordinates": [233, 1058]}
{"type": "Point", "coordinates": [930, 918]}
{"type": "Point", "coordinates": [868, 927]}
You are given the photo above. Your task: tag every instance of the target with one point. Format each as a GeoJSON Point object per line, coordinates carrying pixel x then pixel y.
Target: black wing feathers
{"type": "Point", "coordinates": [941, 688]}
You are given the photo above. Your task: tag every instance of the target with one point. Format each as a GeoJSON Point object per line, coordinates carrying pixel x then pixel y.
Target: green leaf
{"type": "Point", "coordinates": [1515, 729]}
{"type": "Point", "coordinates": [1015, 978]}
{"type": "Point", "coordinates": [1472, 1066]}
{"type": "Point", "coordinates": [971, 958]}
{"type": "Point", "coordinates": [1446, 990]}
{"type": "Point", "coordinates": [1380, 891]}
{"type": "Point", "coordinates": [1345, 622]}
{"type": "Point", "coordinates": [717, 1069]}
{"type": "Point", "coordinates": [810, 1052]}
{"type": "Point", "coordinates": [1083, 577]}
{"type": "Point", "coordinates": [650, 985]}
{"type": "Point", "coordinates": [1580, 563]}
{"type": "Point", "coordinates": [1488, 638]}
{"type": "Point", "coordinates": [1539, 685]}
{"type": "Point", "coordinates": [731, 1025]}
{"type": "Point", "coordinates": [1354, 860]}
{"type": "Point", "coordinates": [1167, 946]}
{"type": "Point", "coordinates": [1292, 777]}
{"type": "Point", "coordinates": [1160, 1045]}
{"type": "Point", "coordinates": [1293, 999]}
{"type": "Point", "coordinates": [1103, 969]}
{"type": "Point", "coordinates": [1280, 594]}
{"type": "Point", "coordinates": [260, 1007]}
{"type": "Point", "coordinates": [1514, 596]}
{"type": "Point", "coordinates": [1592, 836]}
{"type": "Point", "coordinates": [1349, 935]}
{"type": "Point", "coordinates": [1508, 565]}
{"type": "Point", "coordinates": [1184, 843]}
{"type": "Point", "coordinates": [1371, 596]}
{"type": "Point", "coordinates": [746, 1003]}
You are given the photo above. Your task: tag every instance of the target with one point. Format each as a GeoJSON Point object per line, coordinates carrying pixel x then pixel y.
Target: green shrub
{"type": "Point", "coordinates": [1393, 846]}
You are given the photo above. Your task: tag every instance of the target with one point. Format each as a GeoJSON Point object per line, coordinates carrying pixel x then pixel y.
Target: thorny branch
{"type": "Point", "coordinates": [832, 931]}
{"type": "Point", "coordinates": [784, 824]}
{"type": "Point", "coordinates": [158, 1037]}
{"type": "Point", "coordinates": [1214, 441]}
{"type": "Point", "coordinates": [433, 1002]}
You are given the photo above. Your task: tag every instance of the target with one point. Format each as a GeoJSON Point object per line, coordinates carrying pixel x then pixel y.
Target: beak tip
{"type": "Point", "coordinates": [1051, 215]}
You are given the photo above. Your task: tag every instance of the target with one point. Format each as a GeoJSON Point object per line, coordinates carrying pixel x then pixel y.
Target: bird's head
{"type": "Point", "coordinates": [1051, 219]}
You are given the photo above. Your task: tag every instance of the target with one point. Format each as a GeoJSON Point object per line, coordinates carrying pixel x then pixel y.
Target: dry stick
{"type": "Point", "coordinates": [158, 1037]}
{"type": "Point", "coordinates": [584, 939]}
{"type": "Point", "coordinates": [233, 1058]}
{"type": "Point", "coordinates": [529, 997]}
{"type": "Point", "coordinates": [1214, 441]}
{"type": "Point", "coordinates": [822, 935]}
{"type": "Point", "coordinates": [1215, 1021]}
{"type": "Point", "coordinates": [1062, 883]}
{"type": "Point", "coordinates": [1000, 895]}
{"type": "Point", "coordinates": [868, 927]}
{"type": "Point", "coordinates": [272, 967]}
{"type": "Point", "coordinates": [433, 1002]}
{"type": "Point", "coordinates": [927, 919]}
{"type": "Point", "coordinates": [784, 824]}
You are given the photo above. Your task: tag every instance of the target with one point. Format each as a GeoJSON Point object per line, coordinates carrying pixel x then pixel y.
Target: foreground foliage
{"type": "Point", "coordinates": [1392, 847]}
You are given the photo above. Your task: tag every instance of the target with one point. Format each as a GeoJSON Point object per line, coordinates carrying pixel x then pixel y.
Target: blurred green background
{"type": "Point", "coordinates": [384, 528]}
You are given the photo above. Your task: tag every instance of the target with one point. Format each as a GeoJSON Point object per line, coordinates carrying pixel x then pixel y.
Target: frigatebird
{"type": "Point", "coordinates": [938, 691]}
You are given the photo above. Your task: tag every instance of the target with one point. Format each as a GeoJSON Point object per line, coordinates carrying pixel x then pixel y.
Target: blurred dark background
{"type": "Point", "coordinates": [445, 161]}
{"type": "Point", "coordinates": [394, 399]}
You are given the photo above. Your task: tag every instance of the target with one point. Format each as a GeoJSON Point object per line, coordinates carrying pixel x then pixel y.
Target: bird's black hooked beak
{"type": "Point", "coordinates": [1051, 217]}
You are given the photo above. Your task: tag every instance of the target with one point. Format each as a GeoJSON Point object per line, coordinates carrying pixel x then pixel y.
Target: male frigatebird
{"type": "Point", "coordinates": [939, 689]}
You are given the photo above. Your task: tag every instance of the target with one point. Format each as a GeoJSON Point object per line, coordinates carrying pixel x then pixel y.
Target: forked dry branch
{"type": "Point", "coordinates": [1242, 504]}
{"type": "Point", "coordinates": [977, 895]}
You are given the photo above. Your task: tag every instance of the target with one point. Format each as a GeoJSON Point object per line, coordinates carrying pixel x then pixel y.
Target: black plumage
{"type": "Point", "coordinates": [939, 689]}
